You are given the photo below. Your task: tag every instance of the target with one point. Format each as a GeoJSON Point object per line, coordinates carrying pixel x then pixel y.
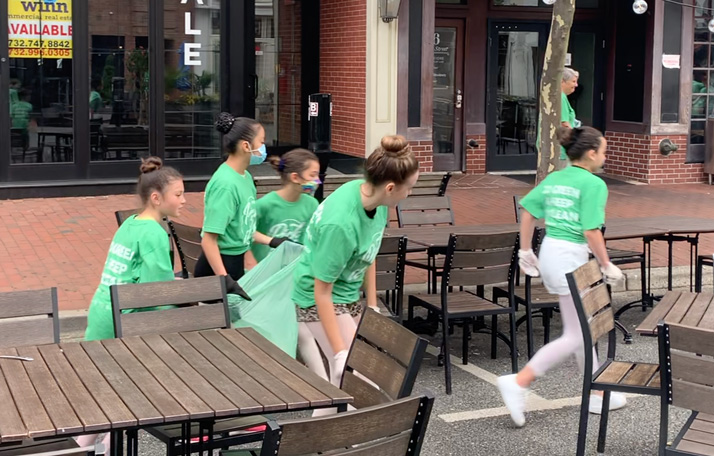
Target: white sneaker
{"type": "Point", "coordinates": [617, 401]}
{"type": "Point", "coordinates": [514, 396]}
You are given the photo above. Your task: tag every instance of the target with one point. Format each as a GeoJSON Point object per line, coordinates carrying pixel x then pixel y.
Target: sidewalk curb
{"type": "Point", "coordinates": [73, 323]}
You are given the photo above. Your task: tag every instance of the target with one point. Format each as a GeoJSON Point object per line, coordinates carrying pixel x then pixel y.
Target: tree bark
{"type": "Point", "coordinates": [554, 61]}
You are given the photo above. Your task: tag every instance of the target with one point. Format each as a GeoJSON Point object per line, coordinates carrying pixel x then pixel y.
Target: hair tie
{"type": "Point", "coordinates": [281, 165]}
{"type": "Point", "coordinates": [233, 120]}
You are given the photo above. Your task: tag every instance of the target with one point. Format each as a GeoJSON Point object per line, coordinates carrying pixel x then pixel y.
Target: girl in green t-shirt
{"type": "Point", "coordinates": [572, 202]}
{"type": "Point", "coordinates": [139, 251]}
{"type": "Point", "coordinates": [229, 202]}
{"type": "Point", "coordinates": [282, 215]}
{"type": "Point", "coordinates": [341, 243]}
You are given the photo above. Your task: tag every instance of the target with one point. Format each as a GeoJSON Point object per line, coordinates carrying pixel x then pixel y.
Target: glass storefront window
{"type": "Point", "coordinates": [40, 95]}
{"type": "Point", "coordinates": [119, 81]}
{"type": "Point", "coordinates": [278, 61]}
{"type": "Point", "coordinates": [702, 77]}
{"type": "Point", "coordinates": [191, 79]}
{"type": "Point", "coordinates": [540, 4]}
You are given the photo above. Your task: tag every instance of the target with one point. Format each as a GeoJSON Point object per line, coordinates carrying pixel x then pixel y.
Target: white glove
{"type": "Point", "coordinates": [528, 262]}
{"type": "Point", "coordinates": [612, 273]}
{"type": "Point", "coordinates": [339, 361]}
{"type": "Point", "coordinates": [375, 308]}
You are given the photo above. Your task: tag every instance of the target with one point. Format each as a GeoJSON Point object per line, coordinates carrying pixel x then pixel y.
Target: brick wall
{"type": "Point", "coordinates": [476, 156]}
{"type": "Point", "coordinates": [424, 151]}
{"type": "Point", "coordinates": [637, 157]}
{"type": "Point", "coordinates": [343, 67]}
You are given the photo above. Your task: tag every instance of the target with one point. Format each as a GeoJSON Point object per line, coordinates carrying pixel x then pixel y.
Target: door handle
{"type": "Point", "coordinates": [459, 99]}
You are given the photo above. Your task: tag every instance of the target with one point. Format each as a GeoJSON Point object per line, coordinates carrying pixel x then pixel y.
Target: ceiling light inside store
{"type": "Point", "coordinates": [639, 7]}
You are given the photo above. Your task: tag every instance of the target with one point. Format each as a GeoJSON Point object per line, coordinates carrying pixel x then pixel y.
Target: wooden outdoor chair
{"type": "Point", "coordinates": [473, 260]}
{"type": "Point", "coordinates": [594, 307]}
{"type": "Point", "coordinates": [686, 356]}
{"type": "Point", "coordinates": [426, 211]}
{"type": "Point", "coordinates": [702, 260]}
{"type": "Point", "coordinates": [390, 429]}
{"type": "Point", "coordinates": [29, 318]}
{"type": "Point", "coordinates": [390, 274]}
{"type": "Point", "coordinates": [188, 243]}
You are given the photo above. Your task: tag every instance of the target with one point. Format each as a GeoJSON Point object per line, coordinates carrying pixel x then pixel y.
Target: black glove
{"type": "Point", "coordinates": [276, 241]}
{"type": "Point", "coordinates": [232, 287]}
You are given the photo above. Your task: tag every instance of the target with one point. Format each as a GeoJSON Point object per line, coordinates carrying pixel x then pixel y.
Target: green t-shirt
{"type": "Point", "coordinates": [571, 201]}
{"type": "Point", "coordinates": [20, 114]}
{"type": "Point", "coordinates": [139, 253]}
{"type": "Point", "coordinates": [341, 242]}
{"type": "Point", "coordinates": [229, 209]}
{"type": "Point", "coordinates": [95, 101]}
{"type": "Point", "coordinates": [567, 114]}
{"type": "Point", "coordinates": [279, 218]}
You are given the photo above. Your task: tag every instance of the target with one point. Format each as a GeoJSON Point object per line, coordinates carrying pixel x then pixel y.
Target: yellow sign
{"type": "Point", "coordinates": [40, 29]}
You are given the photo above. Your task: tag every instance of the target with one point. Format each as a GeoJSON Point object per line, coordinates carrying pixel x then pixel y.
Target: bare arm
{"type": "Point", "coordinates": [566, 124]}
{"type": "Point", "coordinates": [527, 225]}
{"type": "Point", "coordinates": [596, 241]}
{"type": "Point", "coordinates": [370, 285]}
{"type": "Point", "coordinates": [209, 244]}
{"type": "Point", "coordinates": [261, 238]}
{"type": "Point", "coordinates": [326, 312]}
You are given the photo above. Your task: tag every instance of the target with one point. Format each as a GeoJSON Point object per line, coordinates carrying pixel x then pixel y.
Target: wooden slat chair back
{"type": "Point", "coordinates": [387, 354]}
{"type": "Point", "coordinates": [390, 272]}
{"type": "Point", "coordinates": [139, 297]}
{"type": "Point", "coordinates": [188, 243]}
{"type": "Point", "coordinates": [393, 429]}
{"type": "Point", "coordinates": [479, 259]}
{"type": "Point", "coordinates": [593, 305]}
{"type": "Point", "coordinates": [29, 318]}
{"type": "Point", "coordinates": [426, 211]}
{"type": "Point", "coordinates": [687, 359]}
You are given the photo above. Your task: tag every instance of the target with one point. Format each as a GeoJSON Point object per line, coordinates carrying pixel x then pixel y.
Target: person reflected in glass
{"type": "Point", "coordinates": [699, 102]}
{"type": "Point", "coordinates": [95, 99]}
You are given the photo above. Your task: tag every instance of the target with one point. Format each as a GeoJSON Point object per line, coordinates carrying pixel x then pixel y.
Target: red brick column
{"type": "Point", "coordinates": [637, 157]}
{"type": "Point", "coordinates": [476, 156]}
{"type": "Point", "coordinates": [424, 151]}
{"type": "Point", "coordinates": [343, 71]}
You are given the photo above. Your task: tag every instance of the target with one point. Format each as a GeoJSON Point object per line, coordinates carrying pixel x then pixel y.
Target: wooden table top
{"type": "Point", "coordinates": [685, 308]}
{"type": "Point", "coordinates": [115, 384]}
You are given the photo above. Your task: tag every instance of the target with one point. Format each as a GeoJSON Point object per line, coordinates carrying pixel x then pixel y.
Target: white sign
{"type": "Point", "coordinates": [313, 109]}
{"type": "Point", "coordinates": [568, 59]}
{"type": "Point", "coordinates": [670, 60]}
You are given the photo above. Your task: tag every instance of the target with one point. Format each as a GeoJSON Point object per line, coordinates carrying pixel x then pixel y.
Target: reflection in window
{"type": "Point", "coordinates": [191, 84]}
{"type": "Point", "coordinates": [277, 105]}
{"type": "Point", "coordinates": [540, 4]}
{"type": "Point", "coordinates": [702, 81]}
{"type": "Point", "coordinates": [119, 81]}
{"type": "Point", "coordinates": [41, 98]}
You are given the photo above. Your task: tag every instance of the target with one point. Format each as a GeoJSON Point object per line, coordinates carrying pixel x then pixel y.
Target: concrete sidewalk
{"type": "Point", "coordinates": [63, 242]}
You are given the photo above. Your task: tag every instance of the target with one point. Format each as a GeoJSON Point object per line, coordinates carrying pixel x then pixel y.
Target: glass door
{"type": "Point", "coordinates": [515, 66]}
{"type": "Point", "coordinates": [448, 94]}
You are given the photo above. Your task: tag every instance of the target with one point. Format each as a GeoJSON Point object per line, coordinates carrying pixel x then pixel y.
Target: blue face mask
{"type": "Point", "coordinates": [311, 187]}
{"type": "Point", "coordinates": [258, 159]}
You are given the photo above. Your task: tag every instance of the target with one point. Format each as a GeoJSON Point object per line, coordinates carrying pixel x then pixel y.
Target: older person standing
{"type": "Point", "coordinates": [567, 113]}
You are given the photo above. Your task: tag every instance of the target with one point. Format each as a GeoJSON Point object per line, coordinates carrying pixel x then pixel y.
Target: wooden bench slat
{"type": "Point", "coordinates": [702, 437]}
{"type": "Point", "coordinates": [692, 396]}
{"type": "Point", "coordinates": [170, 379]}
{"type": "Point", "coordinates": [12, 429]}
{"type": "Point", "coordinates": [233, 385]}
{"type": "Point", "coordinates": [614, 372]}
{"type": "Point", "coordinates": [701, 425]}
{"type": "Point", "coordinates": [697, 309]}
{"type": "Point", "coordinates": [649, 324]}
{"type": "Point", "coordinates": [303, 388]}
{"type": "Point", "coordinates": [54, 402]}
{"type": "Point", "coordinates": [641, 375]}
{"type": "Point", "coordinates": [124, 387]}
{"type": "Point", "coordinates": [680, 308]}
{"type": "Point", "coordinates": [33, 413]}
{"type": "Point", "coordinates": [88, 411]}
{"type": "Point", "coordinates": [691, 340]}
{"type": "Point", "coordinates": [378, 367]}
{"type": "Point", "coordinates": [696, 448]}
{"type": "Point", "coordinates": [601, 324]}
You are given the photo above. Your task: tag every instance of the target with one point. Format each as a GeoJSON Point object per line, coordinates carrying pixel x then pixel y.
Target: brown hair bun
{"type": "Point", "coordinates": [396, 145]}
{"type": "Point", "coordinates": [150, 164]}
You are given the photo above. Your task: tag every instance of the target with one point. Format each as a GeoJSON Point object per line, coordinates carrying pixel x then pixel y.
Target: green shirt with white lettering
{"type": "Point", "coordinates": [571, 201]}
{"type": "Point", "coordinates": [341, 242]}
{"type": "Point", "coordinates": [229, 209]}
{"type": "Point", "coordinates": [280, 218]}
{"type": "Point", "coordinates": [139, 253]}
{"type": "Point", "coordinates": [567, 114]}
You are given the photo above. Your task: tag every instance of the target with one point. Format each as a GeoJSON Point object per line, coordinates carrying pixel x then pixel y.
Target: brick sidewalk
{"type": "Point", "coordinates": [63, 242]}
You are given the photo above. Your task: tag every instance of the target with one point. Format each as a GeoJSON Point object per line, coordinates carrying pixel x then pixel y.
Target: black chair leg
{"type": "Point", "coordinates": [698, 275]}
{"type": "Point", "coordinates": [465, 342]}
{"type": "Point", "coordinates": [602, 435]}
{"type": "Point", "coordinates": [514, 346]}
{"type": "Point", "coordinates": [447, 356]}
{"type": "Point", "coordinates": [583, 426]}
{"type": "Point", "coordinates": [643, 283]}
{"type": "Point", "coordinates": [529, 328]}
{"type": "Point", "coordinates": [494, 335]}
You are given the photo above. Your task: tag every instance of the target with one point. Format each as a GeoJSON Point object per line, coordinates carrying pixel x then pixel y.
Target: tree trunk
{"type": "Point", "coordinates": [554, 61]}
